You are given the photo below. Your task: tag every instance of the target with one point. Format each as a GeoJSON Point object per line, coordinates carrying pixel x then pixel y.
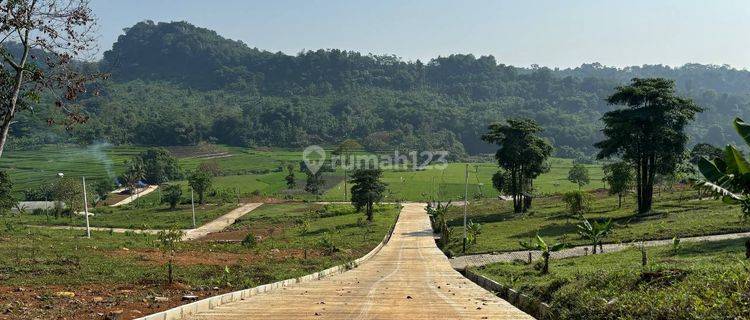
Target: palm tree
{"type": "Point", "coordinates": [539, 244]}
{"type": "Point", "coordinates": [729, 176]}
{"type": "Point", "coordinates": [595, 231]}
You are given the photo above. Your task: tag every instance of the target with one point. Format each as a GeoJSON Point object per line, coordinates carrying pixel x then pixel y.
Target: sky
{"type": "Point", "coordinates": [553, 33]}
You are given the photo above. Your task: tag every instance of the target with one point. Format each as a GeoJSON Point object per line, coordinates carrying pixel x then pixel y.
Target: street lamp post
{"type": "Point", "coordinates": [86, 209]}
{"type": "Point", "coordinates": [466, 201]}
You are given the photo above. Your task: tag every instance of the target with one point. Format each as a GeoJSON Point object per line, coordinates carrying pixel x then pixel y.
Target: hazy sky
{"type": "Point", "coordinates": [555, 33]}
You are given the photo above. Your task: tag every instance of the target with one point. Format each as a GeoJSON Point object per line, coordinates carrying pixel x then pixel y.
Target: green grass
{"type": "Point", "coordinates": [675, 214]}
{"type": "Point", "coordinates": [699, 281]}
{"type": "Point", "coordinates": [43, 261]}
{"type": "Point", "coordinates": [449, 183]}
{"type": "Point", "coordinates": [132, 216]}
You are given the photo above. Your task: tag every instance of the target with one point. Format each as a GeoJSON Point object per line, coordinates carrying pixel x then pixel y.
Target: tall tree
{"type": "Point", "coordinates": [291, 182]}
{"type": "Point", "coordinates": [172, 194]}
{"type": "Point", "coordinates": [39, 42]}
{"type": "Point", "coordinates": [314, 182]}
{"type": "Point", "coordinates": [649, 133]}
{"type": "Point", "coordinates": [522, 155]}
{"type": "Point", "coordinates": [367, 189]}
{"type": "Point", "coordinates": [159, 166]}
{"type": "Point", "coordinates": [619, 177]}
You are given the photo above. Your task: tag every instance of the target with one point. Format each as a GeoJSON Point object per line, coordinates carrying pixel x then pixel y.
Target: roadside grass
{"type": "Point", "coordinates": [707, 280]}
{"type": "Point", "coordinates": [131, 216]}
{"type": "Point", "coordinates": [675, 214]}
{"type": "Point", "coordinates": [42, 261]}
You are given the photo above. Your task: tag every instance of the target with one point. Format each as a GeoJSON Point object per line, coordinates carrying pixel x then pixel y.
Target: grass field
{"type": "Point", "coordinates": [131, 217]}
{"type": "Point", "coordinates": [125, 271]}
{"type": "Point", "coordinates": [697, 281]}
{"type": "Point", "coordinates": [262, 172]}
{"type": "Point", "coordinates": [449, 183]}
{"type": "Point", "coordinates": [675, 214]}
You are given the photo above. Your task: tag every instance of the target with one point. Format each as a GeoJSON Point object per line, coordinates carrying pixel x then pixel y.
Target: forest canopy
{"type": "Point", "coordinates": [178, 84]}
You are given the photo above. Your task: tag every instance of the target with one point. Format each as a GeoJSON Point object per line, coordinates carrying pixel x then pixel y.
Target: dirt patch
{"type": "Point", "coordinates": [94, 301]}
{"type": "Point", "coordinates": [186, 258]}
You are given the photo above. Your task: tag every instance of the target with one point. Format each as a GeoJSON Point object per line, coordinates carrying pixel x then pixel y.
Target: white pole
{"type": "Point", "coordinates": [466, 200]}
{"type": "Point", "coordinates": [86, 209]}
{"type": "Point", "coordinates": [192, 203]}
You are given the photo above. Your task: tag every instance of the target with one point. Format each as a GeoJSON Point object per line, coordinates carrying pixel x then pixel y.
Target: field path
{"type": "Point", "coordinates": [478, 260]}
{"type": "Point", "coordinates": [137, 195]}
{"type": "Point", "coordinates": [220, 223]}
{"type": "Point", "coordinates": [409, 278]}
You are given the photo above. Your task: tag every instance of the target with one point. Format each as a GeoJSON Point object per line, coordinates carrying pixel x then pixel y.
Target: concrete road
{"type": "Point", "coordinates": [408, 279]}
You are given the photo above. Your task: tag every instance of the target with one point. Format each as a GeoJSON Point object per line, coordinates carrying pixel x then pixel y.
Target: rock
{"type": "Point", "coordinates": [161, 299]}
{"type": "Point", "coordinates": [258, 238]}
{"type": "Point", "coordinates": [275, 251]}
{"type": "Point", "coordinates": [216, 288]}
{"type": "Point", "coordinates": [189, 297]}
{"type": "Point", "coordinates": [125, 249]}
{"type": "Point", "coordinates": [65, 294]}
{"type": "Point", "coordinates": [408, 297]}
{"type": "Point", "coordinates": [98, 299]}
{"type": "Point", "coordinates": [114, 315]}
{"type": "Point", "coordinates": [19, 289]}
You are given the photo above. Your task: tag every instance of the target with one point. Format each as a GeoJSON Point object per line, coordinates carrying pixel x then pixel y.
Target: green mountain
{"type": "Point", "coordinates": [178, 84]}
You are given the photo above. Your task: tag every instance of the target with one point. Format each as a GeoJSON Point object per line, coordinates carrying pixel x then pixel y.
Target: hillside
{"type": "Point", "coordinates": [177, 84]}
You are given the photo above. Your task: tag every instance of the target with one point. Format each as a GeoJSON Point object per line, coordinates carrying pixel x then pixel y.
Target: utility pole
{"type": "Point", "coordinates": [86, 209]}
{"type": "Point", "coordinates": [466, 201]}
{"type": "Point", "coordinates": [192, 204]}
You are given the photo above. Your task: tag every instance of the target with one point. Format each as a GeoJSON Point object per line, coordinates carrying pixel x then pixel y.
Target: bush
{"type": "Point", "coordinates": [577, 202]}
{"type": "Point", "coordinates": [327, 245]}
{"type": "Point", "coordinates": [249, 240]}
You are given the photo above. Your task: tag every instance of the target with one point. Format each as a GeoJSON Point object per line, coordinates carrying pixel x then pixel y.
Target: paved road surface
{"type": "Point", "coordinates": [220, 223]}
{"type": "Point", "coordinates": [408, 279]}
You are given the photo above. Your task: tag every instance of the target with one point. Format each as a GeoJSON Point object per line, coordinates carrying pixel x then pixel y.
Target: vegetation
{"type": "Point", "coordinates": [168, 243]}
{"type": "Point", "coordinates": [538, 244]}
{"type": "Point", "coordinates": [6, 193]}
{"type": "Point", "coordinates": [729, 176]}
{"type": "Point", "coordinates": [159, 166]}
{"type": "Point", "coordinates": [522, 156]}
{"type": "Point", "coordinates": [648, 133]}
{"type": "Point", "coordinates": [367, 189]}
{"type": "Point", "coordinates": [704, 280]}
{"type": "Point", "coordinates": [171, 194]}
{"type": "Point", "coordinates": [579, 175]}
{"type": "Point", "coordinates": [594, 232]}
{"type": "Point", "coordinates": [674, 214]}
{"type": "Point", "coordinates": [619, 177]}
{"type": "Point", "coordinates": [200, 181]}
{"type": "Point", "coordinates": [577, 202]}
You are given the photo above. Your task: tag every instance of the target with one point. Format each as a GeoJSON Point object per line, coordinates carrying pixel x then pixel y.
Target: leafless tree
{"type": "Point", "coordinates": [40, 44]}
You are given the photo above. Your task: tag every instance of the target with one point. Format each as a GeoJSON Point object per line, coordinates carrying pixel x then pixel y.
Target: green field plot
{"type": "Point", "coordinates": [675, 214]}
{"type": "Point", "coordinates": [130, 217]}
{"type": "Point", "coordinates": [706, 280]}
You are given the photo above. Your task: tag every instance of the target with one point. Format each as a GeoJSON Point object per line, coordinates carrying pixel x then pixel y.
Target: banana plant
{"type": "Point", "coordinates": [594, 231]}
{"type": "Point", "coordinates": [474, 230]}
{"type": "Point", "coordinates": [539, 244]}
{"type": "Point", "coordinates": [729, 176]}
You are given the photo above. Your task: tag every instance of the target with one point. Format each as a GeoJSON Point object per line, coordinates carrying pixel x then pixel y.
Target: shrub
{"type": "Point", "coordinates": [249, 240]}
{"type": "Point", "coordinates": [577, 202]}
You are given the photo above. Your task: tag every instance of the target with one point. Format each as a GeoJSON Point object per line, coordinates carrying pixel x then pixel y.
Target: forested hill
{"type": "Point", "coordinates": [174, 83]}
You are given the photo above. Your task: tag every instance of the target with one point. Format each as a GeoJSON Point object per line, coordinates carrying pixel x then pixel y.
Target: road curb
{"type": "Point", "coordinates": [207, 304]}
{"type": "Point", "coordinates": [526, 303]}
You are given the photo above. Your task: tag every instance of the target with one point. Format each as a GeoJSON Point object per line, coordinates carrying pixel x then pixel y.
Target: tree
{"type": "Point", "coordinates": [291, 182]}
{"type": "Point", "coordinates": [619, 177]}
{"type": "Point", "coordinates": [594, 231]}
{"type": "Point", "coordinates": [314, 182]}
{"type": "Point", "coordinates": [40, 41]}
{"type": "Point", "coordinates": [649, 133]}
{"type": "Point", "coordinates": [522, 155]}
{"type": "Point", "coordinates": [200, 181]}
{"type": "Point", "coordinates": [540, 245]}
{"type": "Point", "coordinates": [159, 166]}
{"type": "Point", "coordinates": [439, 219]}
{"type": "Point", "coordinates": [69, 191]}
{"type": "Point", "coordinates": [579, 175]}
{"type": "Point", "coordinates": [168, 243]}
{"type": "Point", "coordinates": [367, 189]}
{"type": "Point", "coordinates": [473, 231]}
{"type": "Point", "coordinates": [171, 194]}
{"type": "Point", "coordinates": [134, 173]}
{"type": "Point", "coordinates": [7, 201]}
{"type": "Point", "coordinates": [577, 202]}
{"type": "Point", "coordinates": [704, 150]}
{"type": "Point", "coordinates": [102, 188]}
